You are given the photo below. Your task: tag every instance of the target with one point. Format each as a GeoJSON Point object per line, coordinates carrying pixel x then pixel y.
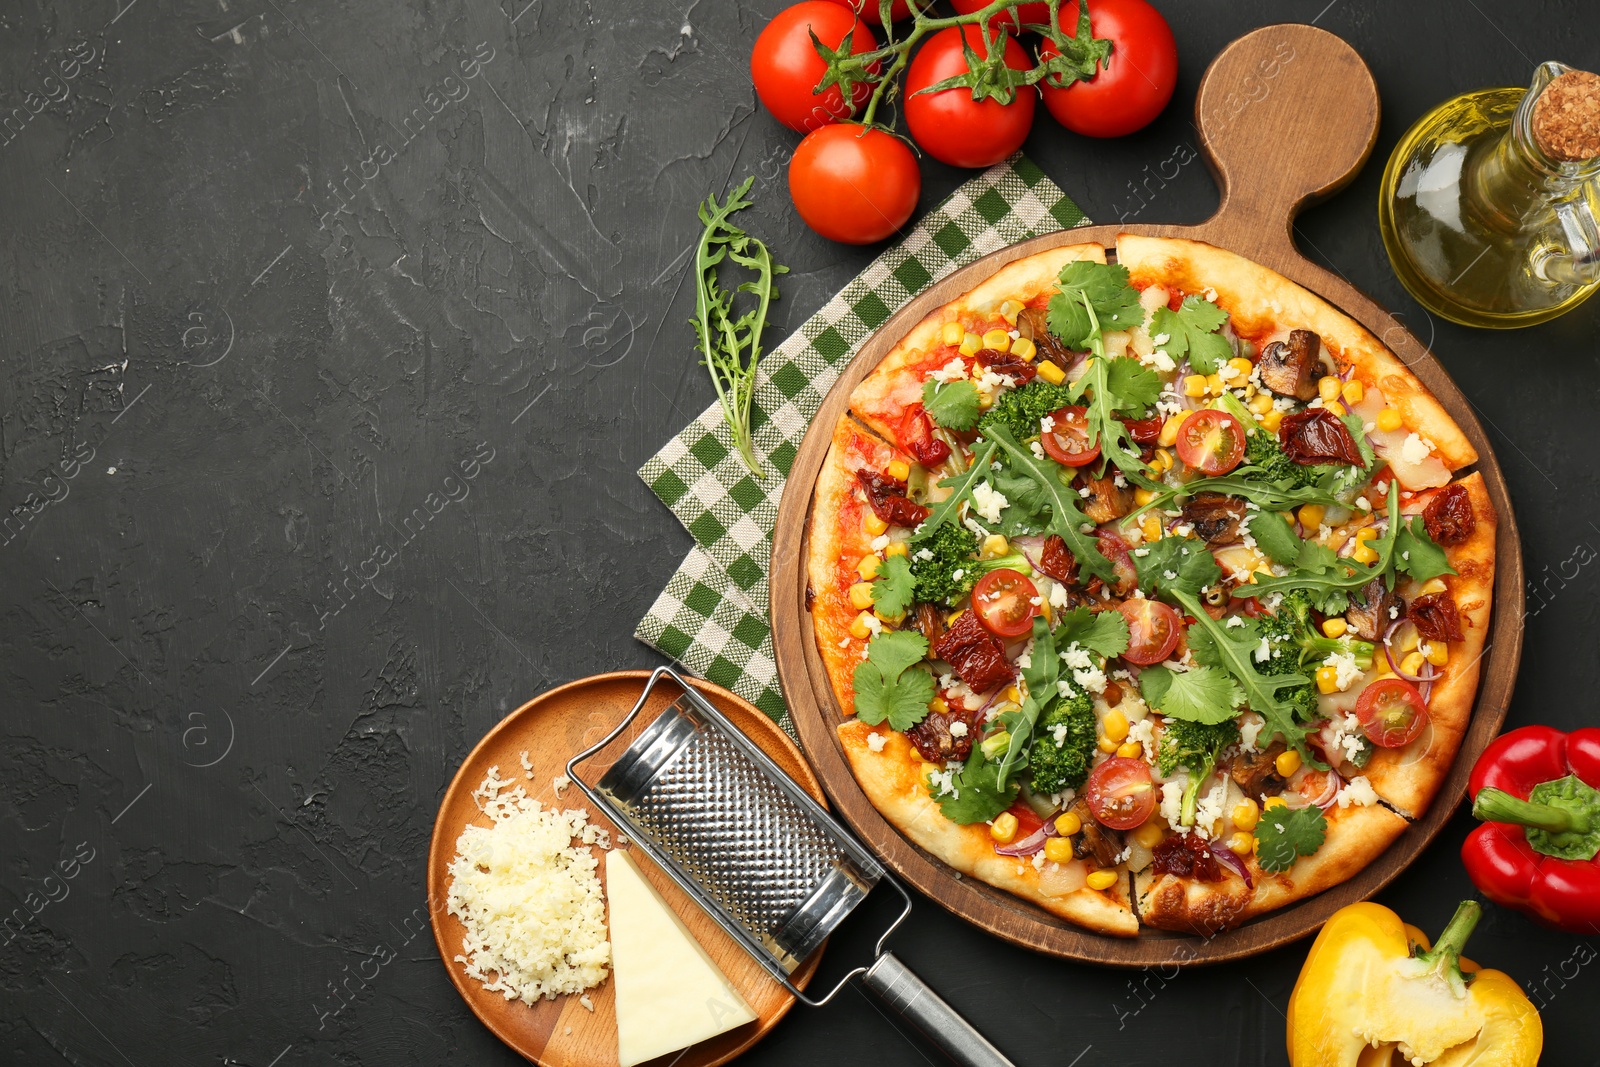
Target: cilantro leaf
{"type": "Point", "coordinates": [888, 686]}
{"type": "Point", "coordinates": [960, 487]}
{"type": "Point", "coordinates": [894, 588]}
{"type": "Point", "coordinates": [1418, 554]}
{"type": "Point", "coordinates": [1285, 834]}
{"type": "Point", "coordinates": [1066, 518]}
{"type": "Point", "coordinates": [1202, 694]}
{"type": "Point", "coordinates": [1132, 387]}
{"type": "Point", "coordinates": [1105, 632]}
{"type": "Point", "coordinates": [976, 793]}
{"type": "Point", "coordinates": [1275, 537]}
{"type": "Point", "coordinates": [953, 405]}
{"type": "Point", "coordinates": [1091, 298]}
{"type": "Point", "coordinates": [1192, 331]}
{"type": "Point", "coordinates": [1175, 564]}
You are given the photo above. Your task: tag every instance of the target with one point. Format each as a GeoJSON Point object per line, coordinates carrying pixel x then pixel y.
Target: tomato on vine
{"type": "Point", "coordinates": [786, 67]}
{"type": "Point", "coordinates": [854, 184]}
{"type": "Point", "coordinates": [1131, 85]}
{"type": "Point", "coordinates": [948, 123]}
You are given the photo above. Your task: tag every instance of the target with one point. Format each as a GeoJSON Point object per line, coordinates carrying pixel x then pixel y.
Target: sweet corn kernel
{"type": "Point", "coordinates": [1115, 725]}
{"type": "Point", "coordinates": [1272, 420]}
{"type": "Point", "coordinates": [1334, 627]}
{"type": "Point", "coordinates": [1408, 638]}
{"type": "Point", "coordinates": [1335, 407]}
{"type": "Point", "coordinates": [1107, 745]}
{"type": "Point", "coordinates": [1353, 391]}
{"type": "Point", "coordinates": [861, 596]}
{"type": "Point", "coordinates": [859, 628]}
{"type": "Point", "coordinates": [1328, 387]}
{"type": "Point", "coordinates": [1130, 750]}
{"type": "Point", "coordinates": [876, 526]}
{"type": "Point", "coordinates": [1100, 881]}
{"type": "Point", "coordinates": [1214, 384]}
{"type": "Point", "coordinates": [898, 548]}
{"type": "Point", "coordinates": [1150, 527]}
{"type": "Point", "coordinates": [1241, 843]}
{"type": "Point", "coordinates": [1434, 585]}
{"type": "Point", "coordinates": [1327, 680]}
{"type": "Point", "coordinates": [1194, 385]}
{"type": "Point", "coordinates": [999, 340]}
{"type": "Point", "coordinates": [1438, 653]}
{"type": "Point", "coordinates": [1052, 373]}
{"type": "Point", "coordinates": [1389, 419]}
{"type": "Point", "coordinates": [894, 619]}
{"type": "Point", "coordinates": [1161, 462]}
{"type": "Point", "coordinates": [970, 345]}
{"type": "Point", "coordinates": [939, 704]}
{"type": "Point", "coordinates": [1169, 430]}
{"type": "Point", "coordinates": [1246, 814]}
{"type": "Point", "coordinates": [1003, 828]}
{"type": "Point", "coordinates": [898, 469]}
{"type": "Point", "coordinates": [1241, 366]}
{"type": "Point", "coordinates": [1023, 348]}
{"type": "Point", "coordinates": [1067, 824]}
{"type": "Point", "coordinates": [1058, 850]}
{"type": "Point", "coordinates": [1149, 834]}
{"type": "Point", "coordinates": [1412, 663]}
{"type": "Point", "coordinates": [1310, 516]}
{"type": "Point", "coordinates": [1287, 763]}
{"type": "Point", "coordinates": [1143, 496]}
{"type": "Point", "coordinates": [1366, 533]}
{"type": "Point", "coordinates": [869, 567]}
{"type": "Point", "coordinates": [1261, 403]}
{"type": "Point", "coordinates": [952, 333]}
{"type": "Point", "coordinates": [1009, 310]}
{"type": "Point", "coordinates": [994, 546]}
{"type": "Point", "coordinates": [1248, 390]}
{"type": "Point", "coordinates": [1364, 553]}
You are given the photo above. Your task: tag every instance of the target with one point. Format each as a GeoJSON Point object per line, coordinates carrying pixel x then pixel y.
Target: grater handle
{"type": "Point", "coordinates": [924, 1009]}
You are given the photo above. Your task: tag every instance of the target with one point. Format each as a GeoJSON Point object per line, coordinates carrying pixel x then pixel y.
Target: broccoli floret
{"type": "Point", "coordinates": [1019, 410]}
{"type": "Point", "coordinates": [953, 547]}
{"type": "Point", "coordinates": [1261, 450]}
{"type": "Point", "coordinates": [1284, 632]}
{"type": "Point", "coordinates": [1195, 746]}
{"type": "Point", "coordinates": [1065, 764]}
{"type": "Point", "coordinates": [1293, 621]}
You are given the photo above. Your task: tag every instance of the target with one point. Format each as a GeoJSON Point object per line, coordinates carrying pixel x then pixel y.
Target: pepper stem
{"type": "Point", "coordinates": [1496, 805]}
{"type": "Point", "coordinates": [1454, 938]}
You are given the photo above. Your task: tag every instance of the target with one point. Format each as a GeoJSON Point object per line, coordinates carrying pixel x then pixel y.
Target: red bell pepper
{"type": "Point", "coordinates": [1538, 791]}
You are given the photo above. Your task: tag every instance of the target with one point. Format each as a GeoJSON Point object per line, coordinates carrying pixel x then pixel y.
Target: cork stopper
{"type": "Point", "coordinates": [1566, 117]}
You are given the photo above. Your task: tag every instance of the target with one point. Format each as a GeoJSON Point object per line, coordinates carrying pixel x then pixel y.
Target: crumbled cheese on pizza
{"type": "Point", "coordinates": [1172, 797]}
{"type": "Point", "coordinates": [1037, 449]}
{"type": "Point", "coordinates": [1264, 651]}
{"type": "Point", "coordinates": [944, 783]}
{"type": "Point", "coordinates": [1093, 679]}
{"type": "Point", "coordinates": [1064, 688]}
{"type": "Point", "coordinates": [1363, 503]}
{"type": "Point", "coordinates": [953, 371]}
{"type": "Point", "coordinates": [1235, 620]}
{"type": "Point", "coordinates": [880, 542]}
{"type": "Point", "coordinates": [1047, 424]}
{"type": "Point", "coordinates": [1059, 599]}
{"type": "Point", "coordinates": [876, 741]}
{"type": "Point", "coordinates": [1347, 736]}
{"type": "Point", "coordinates": [1143, 732]}
{"type": "Point", "coordinates": [1038, 860]}
{"type": "Point", "coordinates": [993, 383]}
{"type": "Point", "coordinates": [1209, 808]}
{"type": "Point", "coordinates": [924, 554]}
{"type": "Point", "coordinates": [958, 729]}
{"type": "Point", "coordinates": [1358, 792]}
{"type": "Point", "coordinates": [1058, 734]}
{"type": "Point", "coordinates": [872, 622]}
{"type": "Point", "coordinates": [988, 501]}
{"type": "Point", "coordinates": [1415, 448]}
{"type": "Point", "coordinates": [1344, 667]}
{"type": "Point", "coordinates": [1250, 727]}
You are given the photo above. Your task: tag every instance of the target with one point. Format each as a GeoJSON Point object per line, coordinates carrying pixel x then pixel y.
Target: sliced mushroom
{"type": "Point", "coordinates": [1293, 369]}
{"type": "Point", "coordinates": [1105, 500]}
{"type": "Point", "coordinates": [1214, 517]}
{"type": "Point", "coordinates": [1257, 772]}
{"type": "Point", "coordinates": [1034, 324]}
{"type": "Point", "coordinates": [929, 622]}
{"type": "Point", "coordinates": [1101, 843]}
{"type": "Point", "coordinates": [1377, 608]}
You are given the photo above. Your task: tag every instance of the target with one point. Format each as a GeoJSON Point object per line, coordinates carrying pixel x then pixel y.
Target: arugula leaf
{"type": "Point", "coordinates": [1175, 564]}
{"type": "Point", "coordinates": [1105, 632]}
{"type": "Point", "coordinates": [1090, 298]}
{"type": "Point", "coordinates": [1039, 679]}
{"type": "Point", "coordinates": [1274, 536]}
{"type": "Point", "coordinates": [1098, 391]}
{"type": "Point", "coordinates": [1285, 834]}
{"type": "Point", "coordinates": [888, 686]}
{"type": "Point", "coordinates": [953, 405]}
{"type": "Point", "coordinates": [1066, 518]}
{"type": "Point", "coordinates": [1418, 554]}
{"type": "Point", "coordinates": [894, 588]}
{"type": "Point", "coordinates": [1250, 483]}
{"type": "Point", "coordinates": [960, 488]}
{"type": "Point", "coordinates": [1201, 694]}
{"type": "Point", "coordinates": [1192, 331]}
{"type": "Point", "coordinates": [978, 794]}
{"type": "Point", "coordinates": [1028, 503]}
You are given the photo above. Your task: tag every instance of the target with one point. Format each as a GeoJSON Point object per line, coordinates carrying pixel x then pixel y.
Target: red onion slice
{"type": "Point", "coordinates": [1027, 846]}
{"type": "Point", "coordinates": [1330, 791]}
{"type": "Point", "coordinates": [1230, 859]}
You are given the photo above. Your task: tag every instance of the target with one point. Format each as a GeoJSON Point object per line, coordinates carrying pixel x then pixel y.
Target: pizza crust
{"type": "Point", "coordinates": [1356, 837]}
{"type": "Point", "coordinates": [893, 779]}
{"type": "Point", "coordinates": [1259, 300]}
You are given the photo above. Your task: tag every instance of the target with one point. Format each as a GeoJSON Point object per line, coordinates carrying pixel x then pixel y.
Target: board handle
{"type": "Point", "coordinates": [1287, 116]}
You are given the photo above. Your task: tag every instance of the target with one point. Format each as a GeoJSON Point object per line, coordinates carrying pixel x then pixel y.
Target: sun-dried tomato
{"type": "Point", "coordinates": [887, 498]}
{"type": "Point", "coordinates": [1448, 517]}
{"type": "Point", "coordinates": [916, 436]}
{"type": "Point", "coordinates": [1317, 435]}
{"type": "Point", "coordinates": [1435, 617]}
{"type": "Point", "coordinates": [937, 743]}
{"type": "Point", "coordinates": [1187, 856]}
{"type": "Point", "coordinates": [977, 656]}
{"type": "Point", "coordinates": [1057, 561]}
{"type": "Point", "coordinates": [1017, 369]}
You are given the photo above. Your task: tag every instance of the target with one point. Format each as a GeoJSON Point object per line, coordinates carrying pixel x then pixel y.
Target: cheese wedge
{"type": "Point", "coordinates": [669, 993]}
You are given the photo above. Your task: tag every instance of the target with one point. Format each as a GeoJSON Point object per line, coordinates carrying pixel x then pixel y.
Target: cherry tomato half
{"type": "Point", "coordinates": [869, 11]}
{"type": "Point", "coordinates": [1211, 441]}
{"type": "Point", "coordinates": [853, 184]}
{"type": "Point", "coordinates": [1132, 85]}
{"type": "Point", "coordinates": [786, 68]}
{"type": "Point", "coordinates": [1392, 712]}
{"type": "Point", "coordinates": [1145, 431]}
{"type": "Point", "coordinates": [1120, 792]}
{"type": "Point", "coordinates": [951, 126]}
{"type": "Point", "coordinates": [1153, 630]}
{"type": "Point", "coordinates": [1006, 602]}
{"type": "Point", "coordinates": [1068, 440]}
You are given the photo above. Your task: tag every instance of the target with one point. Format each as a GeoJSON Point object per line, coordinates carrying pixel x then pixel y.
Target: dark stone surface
{"type": "Point", "coordinates": [256, 381]}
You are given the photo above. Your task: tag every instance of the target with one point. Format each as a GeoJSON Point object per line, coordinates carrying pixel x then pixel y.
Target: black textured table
{"type": "Point", "coordinates": [333, 335]}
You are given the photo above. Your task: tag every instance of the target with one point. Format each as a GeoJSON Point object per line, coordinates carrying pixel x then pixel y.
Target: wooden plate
{"type": "Point", "coordinates": [1287, 115]}
{"type": "Point", "coordinates": [551, 728]}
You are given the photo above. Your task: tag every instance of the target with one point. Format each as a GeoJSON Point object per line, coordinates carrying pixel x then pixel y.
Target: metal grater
{"type": "Point", "coordinates": [753, 849]}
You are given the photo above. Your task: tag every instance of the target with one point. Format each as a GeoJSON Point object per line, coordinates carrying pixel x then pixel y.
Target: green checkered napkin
{"type": "Point", "coordinates": [712, 616]}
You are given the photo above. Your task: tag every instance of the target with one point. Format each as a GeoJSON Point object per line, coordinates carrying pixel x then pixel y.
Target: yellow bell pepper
{"type": "Point", "coordinates": [1371, 987]}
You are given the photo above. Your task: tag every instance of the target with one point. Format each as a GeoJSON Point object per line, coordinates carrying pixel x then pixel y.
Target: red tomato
{"type": "Point", "coordinates": [1068, 441]}
{"type": "Point", "coordinates": [1006, 602]}
{"type": "Point", "coordinates": [868, 9]}
{"type": "Point", "coordinates": [1211, 441]}
{"type": "Point", "coordinates": [1120, 793]}
{"type": "Point", "coordinates": [854, 184]}
{"type": "Point", "coordinates": [1028, 820]}
{"type": "Point", "coordinates": [1153, 630]}
{"type": "Point", "coordinates": [1115, 549]}
{"type": "Point", "coordinates": [1392, 712]}
{"type": "Point", "coordinates": [1132, 85]}
{"type": "Point", "coordinates": [1145, 431]}
{"type": "Point", "coordinates": [1031, 14]}
{"type": "Point", "coordinates": [951, 126]}
{"type": "Point", "coordinates": [786, 68]}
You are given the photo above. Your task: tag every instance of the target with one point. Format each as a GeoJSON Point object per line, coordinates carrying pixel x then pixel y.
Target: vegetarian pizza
{"type": "Point", "coordinates": [1151, 591]}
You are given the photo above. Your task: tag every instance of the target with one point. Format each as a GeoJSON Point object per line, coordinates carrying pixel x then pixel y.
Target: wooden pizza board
{"type": "Point", "coordinates": [552, 728]}
{"type": "Point", "coordinates": [1287, 115]}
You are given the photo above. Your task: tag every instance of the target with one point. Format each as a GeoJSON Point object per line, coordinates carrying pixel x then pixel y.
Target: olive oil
{"type": "Point", "coordinates": [1480, 223]}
